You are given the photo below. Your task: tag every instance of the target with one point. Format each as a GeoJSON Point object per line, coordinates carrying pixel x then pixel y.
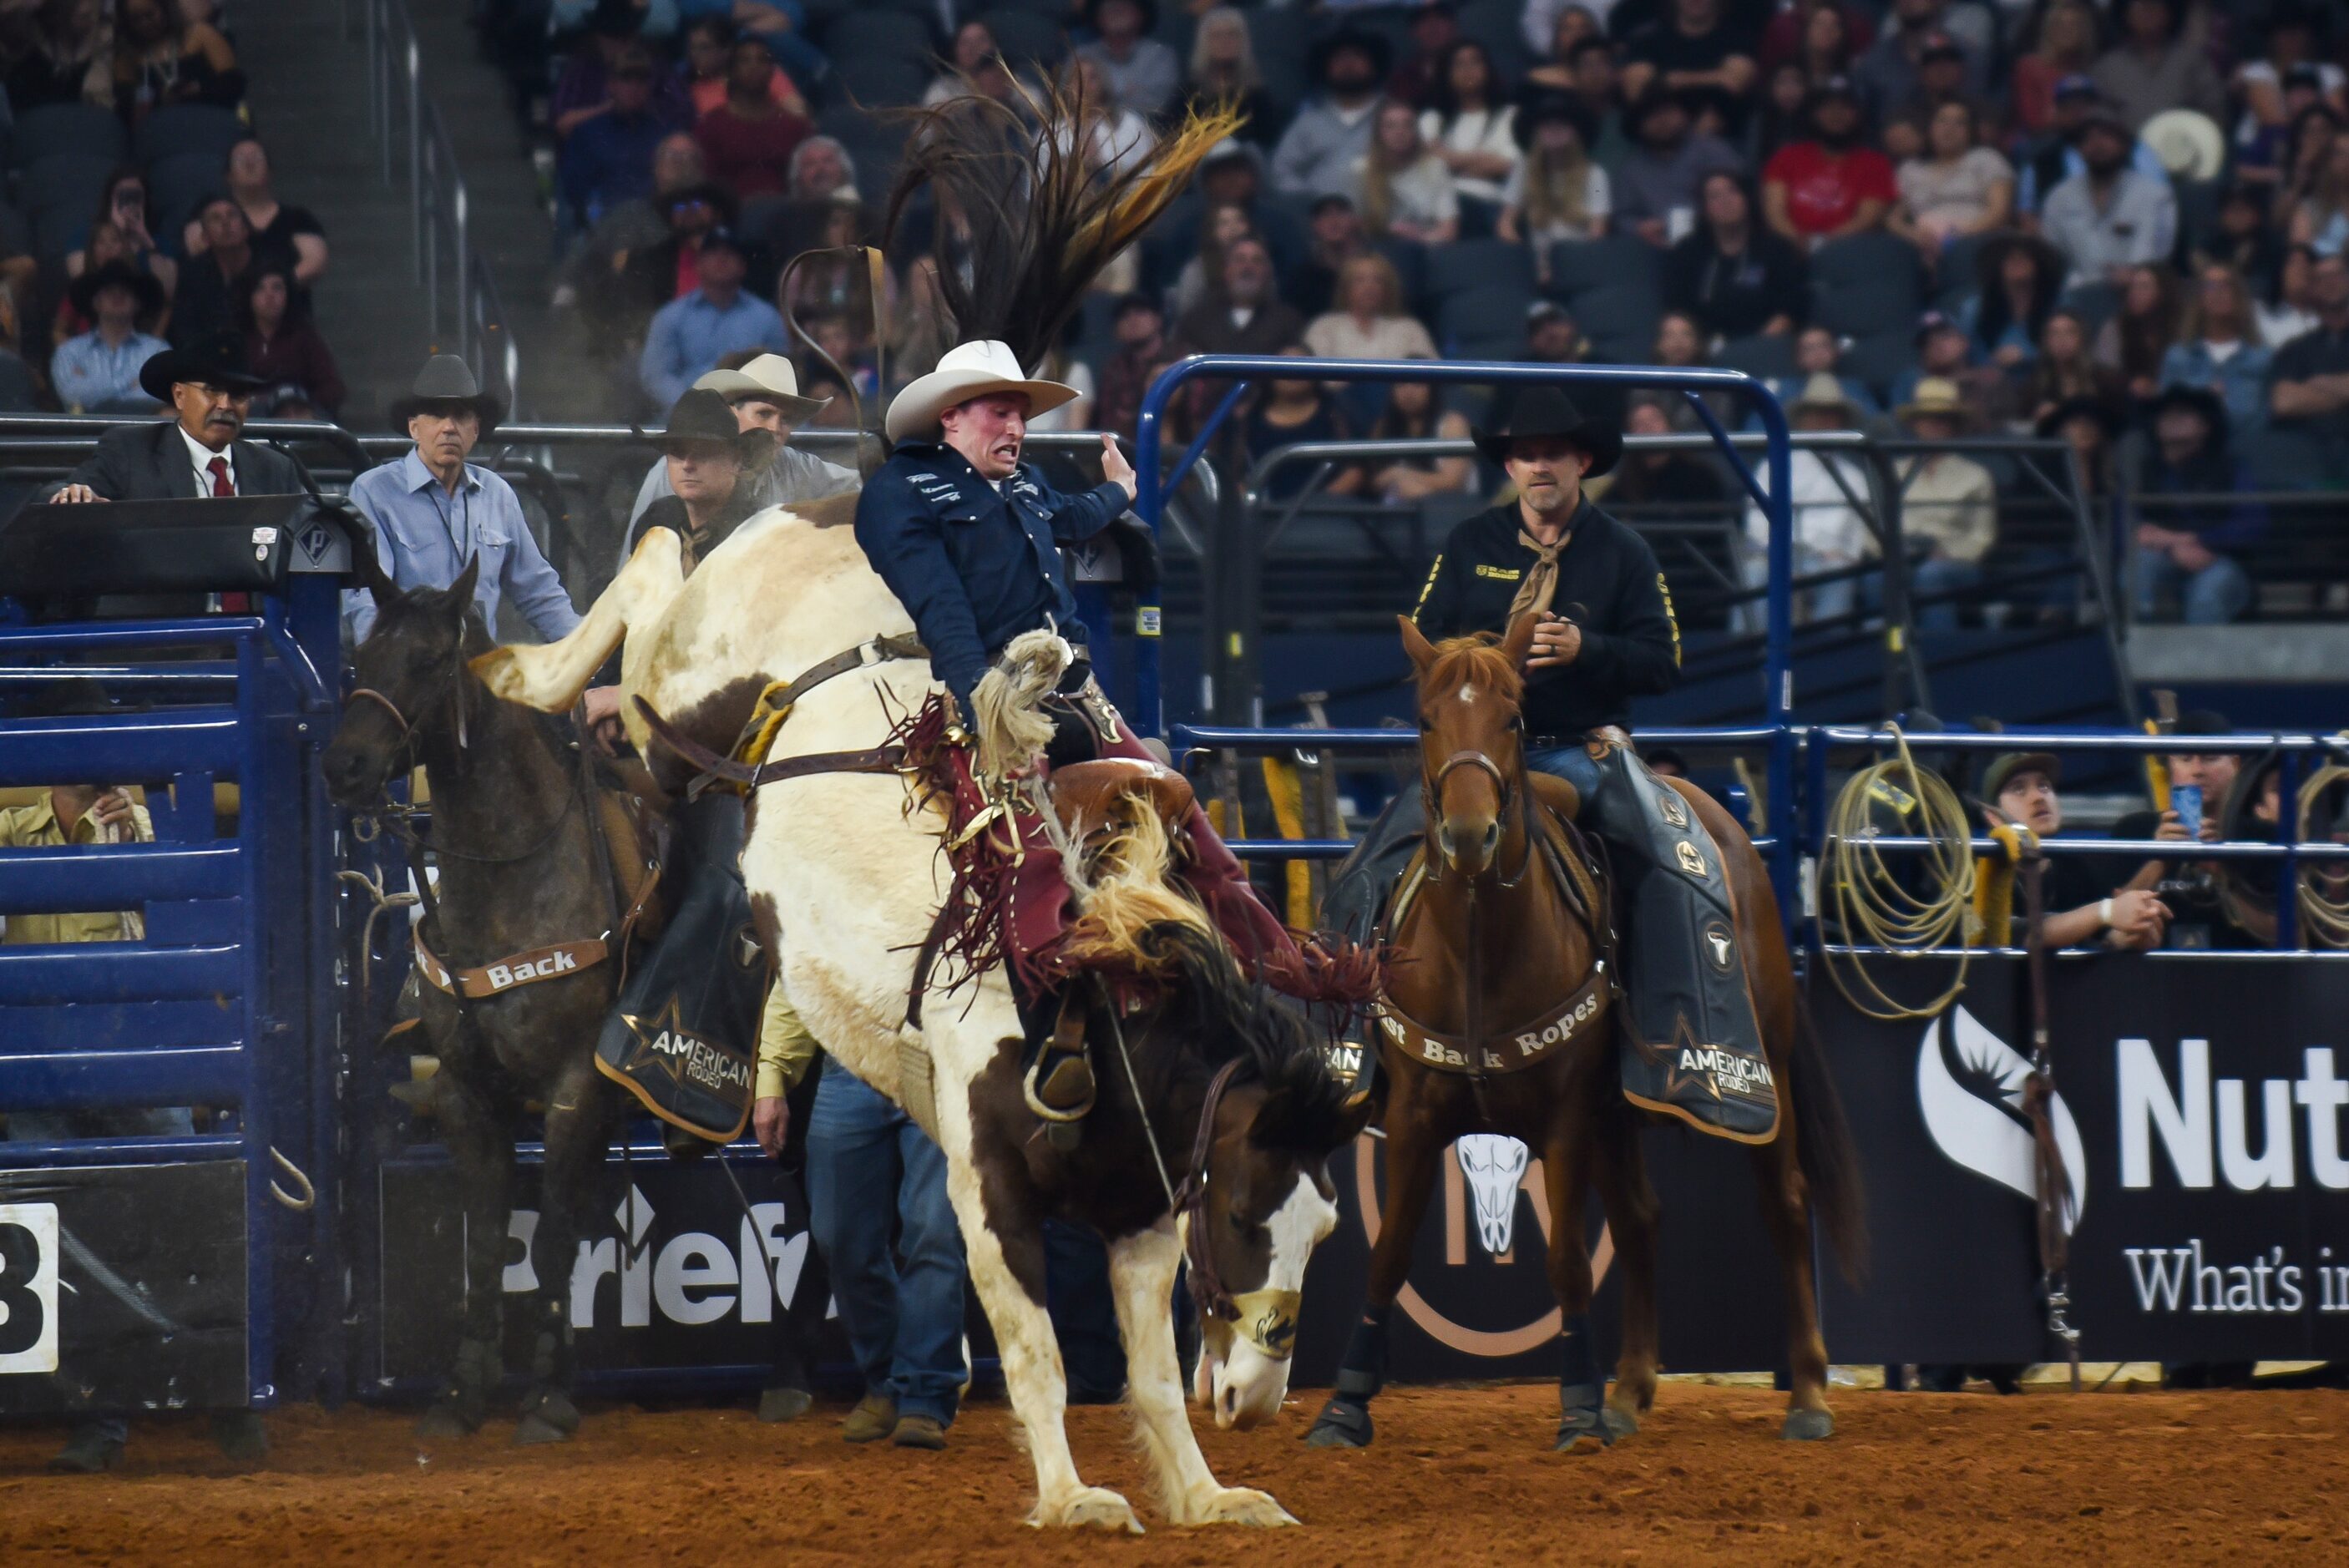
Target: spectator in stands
{"type": "Point", "coordinates": [1433, 31]}
{"type": "Point", "coordinates": [2290, 310]}
{"type": "Point", "coordinates": [748, 139]}
{"type": "Point", "coordinates": [280, 342]}
{"type": "Point", "coordinates": [2090, 427]}
{"type": "Point", "coordinates": [1829, 532]}
{"type": "Point", "coordinates": [1832, 184]}
{"type": "Point", "coordinates": [159, 60]}
{"type": "Point", "coordinates": [583, 92]}
{"type": "Point", "coordinates": [1887, 74]}
{"type": "Point", "coordinates": [2180, 547]}
{"type": "Point", "coordinates": [2140, 334]}
{"type": "Point", "coordinates": [1588, 74]}
{"type": "Point", "coordinates": [1736, 277]}
{"type": "Point", "coordinates": [1696, 49]}
{"type": "Point", "coordinates": [2018, 279]}
{"type": "Point", "coordinates": [630, 226]}
{"type": "Point", "coordinates": [1336, 237]}
{"type": "Point", "coordinates": [2156, 67]}
{"type": "Point", "coordinates": [1680, 486]}
{"type": "Point", "coordinates": [1139, 328]}
{"type": "Point", "coordinates": [646, 279]}
{"type": "Point", "coordinates": [2056, 156]}
{"type": "Point", "coordinates": [2108, 217]}
{"type": "Point", "coordinates": [105, 249]}
{"type": "Point", "coordinates": [1785, 92]}
{"type": "Point", "coordinates": [1679, 341]}
{"type": "Point", "coordinates": [2067, 372]}
{"type": "Point", "coordinates": [608, 159]}
{"type": "Point", "coordinates": [1940, 82]}
{"type": "Point", "coordinates": [709, 60]}
{"type": "Point", "coordinates": [60, 51]}
{"type": "Point", "coordinates": [1558, 192]}
{"type": "Point", "coordinates": [1552, 336]}
{"type": "Point", "coordinates": [2242, 240]}
{"type": "Point", "coordinates": [2275, 90]}
{"type": "Point", "coordinates": [1945, 352]}
{"type": "Point", "coordinates": [1956, 188]}
{"type": "Point", "coordinates": [123, 204]}
{"type": "Point", "coordinates": [974, 45]}
{"type": "Point", "coordinates": [1223, 225]}
{"type": "Point", "coordinates": [2320, 220]}
{"type": "Point", "coordinates": [1326, 142]}
{"type": "Point", "coordinates": [2219, 349]}
{"type": "Point", "coordinates": [1948, 503]}
{"type": "Point", "coordinates": [781, 25]}
{"type": "Point", "coordinates": [1116, 137]}
{"type": "Point", "coordinates": [820, 169]}
{"type": "Point", "coordinates": [1819, 352]}
{"type": "Point", "coordinates": [2065, 47]}
{"type": "Point", "coordinates": [717, 317]}
{"type": "Point", "coordinates": [1473, 130]}
{"type": "Point", "coordinates": [1300, 410]}
{"type": "Point", "coordinates": [1655, 190]}
{"type": "Point", "coordinates": [1224, 70]}
{"type": "Point", "coordinates": [2019, 788]}
{"type": "Point", "coordinates": [97, 371]}
{"type": "Point", "coordinates": [836, 283]}
{"type": "Point", "coordinates": [1370, 322]}
{"type": "Point", "coordinates": [278, 230]}
{"type": "Point", "coordinates": [1550, 27]}
{"type": "Point", "coordinates": [206, 303]}
{"type": "Point", "coordinates": [1243, 314]}
{"type": "Point", "coordinates": [1413, 414]}
{"type": "Point", "coordinates": [1403, 188]}
{"type": "Point", "coordinates": [1142, 75]}
{"type": "Point", "coordinates": [1233, 176]}
{"type": "Point", "coordinates": [1819, 37]}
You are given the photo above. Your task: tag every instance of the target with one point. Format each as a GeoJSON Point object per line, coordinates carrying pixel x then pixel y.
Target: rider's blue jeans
{"type": "Point", "coordinates": [1571, 763]}
{"type": "Point", "coordinates": [868, 1165]}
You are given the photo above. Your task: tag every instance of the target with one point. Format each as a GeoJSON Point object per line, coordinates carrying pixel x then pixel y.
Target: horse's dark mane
{"type": "Point", "coordinates": [1477, 657]}
{"type": "Point", "coordinates": [473, 641]}
{"type": "Point", "coordinates": [1223, 1016]}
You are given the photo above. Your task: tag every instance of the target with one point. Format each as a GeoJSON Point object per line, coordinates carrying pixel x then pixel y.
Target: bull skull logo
{"type": "Point", "coordinates": [1493, 1166]}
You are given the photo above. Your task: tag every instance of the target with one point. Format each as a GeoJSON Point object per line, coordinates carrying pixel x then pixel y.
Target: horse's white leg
{"type": "Point", "coordinates": [1032, 1372]}
{"type": "Point", "coordinates": [1142, 1273]}
{"type": "Point", "coordinates": [550, 676]}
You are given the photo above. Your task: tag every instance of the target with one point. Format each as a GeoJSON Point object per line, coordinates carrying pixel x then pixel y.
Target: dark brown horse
{"type": "Point", "coordinates": [1499, 1019]}
{"type": "Point", "coordinates": [521, 869]}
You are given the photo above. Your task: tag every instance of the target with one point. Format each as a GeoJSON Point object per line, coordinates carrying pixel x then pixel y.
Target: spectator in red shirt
{"type": "Point", "coordinates": [748, 139]}
{"type": "Point", "coordinates": [1832, 184]}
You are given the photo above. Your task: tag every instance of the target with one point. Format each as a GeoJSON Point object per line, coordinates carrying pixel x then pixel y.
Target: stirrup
{"type": "Point", "coordinates": [1058, 1085]}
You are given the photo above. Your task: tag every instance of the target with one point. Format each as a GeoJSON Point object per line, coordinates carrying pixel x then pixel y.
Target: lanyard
{"type": "Point", "coordinates": [448, 514]}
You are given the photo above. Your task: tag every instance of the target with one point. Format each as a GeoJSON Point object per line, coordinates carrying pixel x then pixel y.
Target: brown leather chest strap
{"type": "Point", "coordinates": [519, 969]}
{"type": "Point", "coordinates": [1503, 1050]}
{"type": "Point", "coordinates": [878, 759]}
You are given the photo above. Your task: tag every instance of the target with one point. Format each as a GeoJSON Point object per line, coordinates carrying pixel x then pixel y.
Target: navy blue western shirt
{"type": "Point", "coordinates": [976, 566]}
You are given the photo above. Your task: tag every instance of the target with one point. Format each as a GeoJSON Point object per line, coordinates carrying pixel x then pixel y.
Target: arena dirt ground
{"type": "Point", "coordinates": [1459, 1475]}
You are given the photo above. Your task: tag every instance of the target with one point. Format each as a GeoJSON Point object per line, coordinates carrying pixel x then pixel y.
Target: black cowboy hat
{"type": "Point", "coordinates": [700, 415]}
{"type": "Point", "coordinates": [2081, 406]}
{"type": "Point", "coordinates": [84, 289]}
{"type": "Point", "coordinates": [1546, 411]}
{"type": "Point", "coordinates": [1381, 52]}
{"type": "Point", "coordinates": [444, 379]}
{"type": "Point", "coordinates": [216, 362]}
{"type": "Point", "coordinates": [2200, 399]}
{"type": "Point", "coordinates": [1553, 106]}
{"type": "Point", "coordinates": [1653, 98]}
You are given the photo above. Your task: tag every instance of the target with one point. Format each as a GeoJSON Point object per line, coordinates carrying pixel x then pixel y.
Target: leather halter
{"type": "Point", "coordinates": [1207, 1292]}
{"type": "Point", "coordinates": [1477, 759]}
{"type": "Point", "coordinates": [406, 730]}
{"type": "Point", "coordinates": [1431, 793]}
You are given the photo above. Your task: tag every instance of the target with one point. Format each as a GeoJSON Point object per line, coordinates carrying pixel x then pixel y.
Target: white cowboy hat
{"type": "Point", "coordinates": [770, 379]}
{"type": "Point", "coordinates": [965, 371]}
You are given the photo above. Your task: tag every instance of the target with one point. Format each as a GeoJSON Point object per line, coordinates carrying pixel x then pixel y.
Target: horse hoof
{"type": "Point", "coordinates": [1088, 1508]}
{"type": "Point", "coordinates": [1585, 1430]}
{"type": "Point", "coordinates": [1243, 1505]}
{"type": "Point", "coordinates": [1620, 1424]}
{"type": "Point", "coordinates": [778, 1405]}
{"type": "Point", "coordinates": [1340, 1426]}
{"type": "Point", "coordinates": [535, 1431]}
{"type": "Point", "coordinates": [1808, 1426]}
{"type": "Point", "coordinates": [442, 1424]}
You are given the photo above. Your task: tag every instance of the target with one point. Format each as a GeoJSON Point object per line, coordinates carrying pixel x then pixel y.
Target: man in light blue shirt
{"type": "Point", "coordinates": [689, 334]}
{"type": "Point", "coordinates": [97, 371]}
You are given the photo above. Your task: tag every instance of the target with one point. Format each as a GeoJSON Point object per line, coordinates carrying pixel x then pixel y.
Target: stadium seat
{"type": "Point", "coordinates": [2284, 459]}
{"type": "Point", "coordinates": [1867, 284]}
{"type": "Point", "coordinates": [1409, 259]}
{"type": "Point", "coordinates": [1619, 319]}
{"type": "Point", "coordinates": [1485, 315]}
{"type": "Point", "coordinates": [878, 80]}
{"type": "Point", "coordinates": [186, 130]}
{"type": "Point", "coordinates": [1577, 266]}
{"type": "Point", "coordinates": [15, 233]}
{"type": "Point", "coordinates": [1468, 265]}
{"type": "Point", "coordinates": [59, 194]}
{"type": "Point", "coordinates": [174, 186]}
{"type": "Point", "coordinates": [19, 391]}
{"type": "Point", "coordinates": [1955, 279]}
{"type": "Point", "coordinates": [1026, 36]}
{"type": "Point", "coordinates": [1764, 354]}
{"type": "Point", "coordinates": [72, 130]}
{"type": "Point", "coordinates": [1495, 24]}
{"type": "Point", "coordinates": [1283, 37]}
{"type": "Point", "coordinates": [1879, 361]}
{"type": "Point", "coordinates": [864, 36]}
{"type": "Point", "coordinates": [2095, 303]}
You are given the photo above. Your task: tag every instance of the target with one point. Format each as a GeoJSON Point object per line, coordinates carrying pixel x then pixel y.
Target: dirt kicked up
{"type": "Point", "coordinates": [1459, 1475]}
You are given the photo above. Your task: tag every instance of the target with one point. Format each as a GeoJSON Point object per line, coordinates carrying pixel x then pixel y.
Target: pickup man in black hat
{"type": "Point", "coordinates": [1606, 634]}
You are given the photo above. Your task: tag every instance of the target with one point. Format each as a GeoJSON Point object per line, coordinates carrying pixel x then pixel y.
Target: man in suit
{"type": "Point", "coordinates": [198, 454]}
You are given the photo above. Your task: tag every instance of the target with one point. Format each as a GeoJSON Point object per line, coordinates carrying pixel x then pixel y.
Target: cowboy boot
{"type": "Point", "coordinates": [1693, 1048]}
{"type": "Point", "coordinates": [1060, 1085]}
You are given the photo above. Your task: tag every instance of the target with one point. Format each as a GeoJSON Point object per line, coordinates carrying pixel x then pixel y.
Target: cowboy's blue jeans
{"type": "Point", "coordinates": [867, 1164]}
{"type": "Point", "coordinates": [1571, 763]}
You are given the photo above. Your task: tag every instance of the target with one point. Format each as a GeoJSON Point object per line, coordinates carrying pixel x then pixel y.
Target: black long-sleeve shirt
{"type": "Point", "coordinates": [1607, 583]}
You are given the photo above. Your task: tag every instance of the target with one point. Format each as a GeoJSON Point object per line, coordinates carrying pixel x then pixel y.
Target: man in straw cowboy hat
{"type": "Point", "coordinates": [968, 536]}
{"type": "Point", "coordinates": [1948, 502]}
{"type": "Point", "coordinates": [764, 393]}
{"type": "Point", "coordinates": [1605, 634]}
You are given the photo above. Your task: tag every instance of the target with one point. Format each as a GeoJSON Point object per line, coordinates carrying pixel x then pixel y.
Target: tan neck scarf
{"type": "Point", "coordinates": [1541, 585]}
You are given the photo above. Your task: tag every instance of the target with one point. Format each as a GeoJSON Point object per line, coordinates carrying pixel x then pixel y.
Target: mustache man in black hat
{"type": "Point", "coordinates": [210, 388]}
{"type": "Point", "coordinates": [1605, 634]}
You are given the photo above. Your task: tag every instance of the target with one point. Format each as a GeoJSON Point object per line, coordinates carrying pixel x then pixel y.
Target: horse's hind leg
{"type": "Point", "coordinates": [480, 1143]}
{"type": "Point", "coordinates": [1413, 1151]}
{"type": "Point", "coordinates": [1631, 1202]}
{"type": "Point", "coordinates": [577, 1128]}
{"type": "Point", "coordinates": [1786, 1212]}
{"type": "Point", "coordinates": [1582, 1424]}
{"type": "Point", "coordinates": [1142, 1273]}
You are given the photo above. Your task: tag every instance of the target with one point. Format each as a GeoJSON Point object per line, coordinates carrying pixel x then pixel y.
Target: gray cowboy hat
{"type": "Point", "coordinates": [446, 378]}
{"type": "Point", "coordinates": [1546, 411]}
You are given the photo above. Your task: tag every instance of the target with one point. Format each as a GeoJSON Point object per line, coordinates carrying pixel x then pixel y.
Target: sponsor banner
{"type": "Point", "coordinates": [2201, 1111]}
{"type": "Point", "coordinates": [675, 1278]}
{"type": "Point", "coordinates": [122, 1288]}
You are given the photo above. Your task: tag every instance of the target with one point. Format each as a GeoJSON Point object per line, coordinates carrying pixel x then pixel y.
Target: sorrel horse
{"type": "Point", "coordinates": [521, 871]}
{"type": "Point", "coordinates": [1497, 1018]}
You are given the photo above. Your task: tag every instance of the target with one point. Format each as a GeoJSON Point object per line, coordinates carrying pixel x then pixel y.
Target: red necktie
{"type": "Point", "coordinates": [230, 604]}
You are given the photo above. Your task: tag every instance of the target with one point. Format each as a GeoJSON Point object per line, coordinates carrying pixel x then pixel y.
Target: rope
{"type": "Point", "coordinates": [2323, 921]}
{"type": "Point", "coordinates": [1872, 906]}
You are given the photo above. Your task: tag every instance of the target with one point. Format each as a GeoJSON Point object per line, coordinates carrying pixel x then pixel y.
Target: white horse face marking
{"type": "Point", "coordinates": [1249, 1384]}
{"type": "Point", "coordinates": [1468, 695]}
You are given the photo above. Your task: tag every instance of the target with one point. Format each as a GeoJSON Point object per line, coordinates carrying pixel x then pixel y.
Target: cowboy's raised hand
{"type": "Point", "coordinates": [1116, 469]}
{"type": "Point", "coordinates": [1557, 641]}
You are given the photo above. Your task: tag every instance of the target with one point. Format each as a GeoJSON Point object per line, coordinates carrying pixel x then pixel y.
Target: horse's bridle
{"type": "Point", "coordinates": [1265, 1318]}
{"type": "Point", "coordinates": [1431, 791]}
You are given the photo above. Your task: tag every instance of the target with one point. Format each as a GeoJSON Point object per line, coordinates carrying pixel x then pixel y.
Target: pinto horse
{"type": "Point", "coordinates": [847, 873]}
{"type": "Point", "coordinates": [1500, 940]}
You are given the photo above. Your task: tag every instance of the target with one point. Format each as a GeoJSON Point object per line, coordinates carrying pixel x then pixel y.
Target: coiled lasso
{"type": "Point", "coordinates": [1875, 908]}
